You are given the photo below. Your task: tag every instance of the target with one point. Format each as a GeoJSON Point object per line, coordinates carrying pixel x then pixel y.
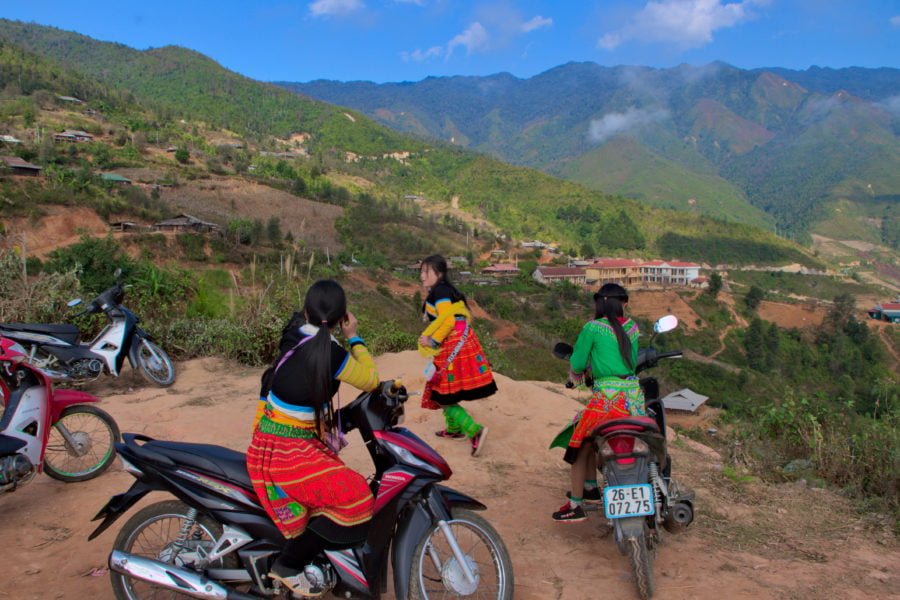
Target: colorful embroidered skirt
{"type": "Point", "coordinates": [469, 377]}
{"type": "Point", "coordinates": [613, 398]}
{"type": "Point", "coordinates": [297, 477]}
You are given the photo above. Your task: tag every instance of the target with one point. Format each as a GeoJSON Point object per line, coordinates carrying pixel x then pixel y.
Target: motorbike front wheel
{"type": "Point", "coordinates": [86, 449]}
{"type": "Point", "coordinates": [166, 532]}
{"type": "Point", "coordinates": [436, 573]}
{"type": "Point", "coordinates": [154, 364]}
{"type": "Point", "coordinates": [641, 565]}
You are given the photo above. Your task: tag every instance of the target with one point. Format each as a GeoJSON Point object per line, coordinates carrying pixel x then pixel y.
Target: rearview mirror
{"type": "Point", "coordinates": [73, 303]}
{"type": "Point", "coordinates": [562, 351]}
{"type": "Point", "coordinates": [666, 323]}
{"type": "Point", "coordinates": [117, 273]}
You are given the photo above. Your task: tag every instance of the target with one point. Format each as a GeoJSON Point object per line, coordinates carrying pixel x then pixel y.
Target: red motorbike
{"type": "Point", "coordinates": [42, 429]}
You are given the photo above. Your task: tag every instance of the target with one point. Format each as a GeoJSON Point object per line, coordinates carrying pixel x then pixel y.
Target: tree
{"type": "Point", "coordinates": [755, 345]}
{"type": "Point", "coordinates": [754, 296]}
{"type": "Point", "coordinates": [715, 285]}
{"type": "Point", "coordinates": [182, 156]}
{"type": "Point", "coordinates": [273, 230]}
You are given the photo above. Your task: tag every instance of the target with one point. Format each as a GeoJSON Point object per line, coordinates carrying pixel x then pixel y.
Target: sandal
{"type": "Point", "coordinates": [451, 435]}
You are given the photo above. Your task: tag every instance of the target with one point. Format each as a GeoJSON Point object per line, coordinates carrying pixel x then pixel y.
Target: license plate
{"type": "Point", "coordinates": [620, 501]}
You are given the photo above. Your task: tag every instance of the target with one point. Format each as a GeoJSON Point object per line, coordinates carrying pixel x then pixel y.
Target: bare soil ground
{"type": "Point", "coordinates": [59, 226]}
{"type": "Point", "coordinates": [750, 540]}
{"type": "Point", "coordinates": [221, 199]}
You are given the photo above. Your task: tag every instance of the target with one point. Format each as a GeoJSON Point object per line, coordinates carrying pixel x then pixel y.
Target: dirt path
{"type": "Point", "coordinates": [750, 541]}
{"type": "Point", "coordinates": [739, 321]}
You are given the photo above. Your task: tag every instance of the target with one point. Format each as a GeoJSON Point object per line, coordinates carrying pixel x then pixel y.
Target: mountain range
{"type": "Point", "coordinates": [768, 147]}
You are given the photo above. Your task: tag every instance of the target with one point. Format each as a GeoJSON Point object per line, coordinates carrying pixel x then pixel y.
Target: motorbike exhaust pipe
{"type": "Point", "coordinates": [180, 580]}
{"type": "Point", "coordinates": [680, 515]}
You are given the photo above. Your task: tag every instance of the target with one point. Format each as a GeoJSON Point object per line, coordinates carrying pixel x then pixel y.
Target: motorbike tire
{"type": "Point", "coordinates": [161, 522]}
{"type": "Point", "coordinates": [163, 374]}
{"type": "Point", "coordinates": [641, 566]}
{"type": "Point", "coordinates": [95, 433]}
{"type": "Point", "coordinates": [484, 550]}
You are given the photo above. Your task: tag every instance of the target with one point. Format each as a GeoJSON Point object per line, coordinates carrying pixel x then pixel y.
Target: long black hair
{"type": "Point", "coordinates": [325, 306]}
{"type": "Point", "coordinates": [438, 264]}
{"type": "Point", "coordinates": [609, 304]}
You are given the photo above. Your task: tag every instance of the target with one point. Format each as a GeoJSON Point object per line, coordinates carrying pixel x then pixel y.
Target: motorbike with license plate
{"type": "Point", "coordinates": [57, 350]}
{"type": "Point", "coordinates": [216, 541]}
{"type": "Point", "coordinates": [42, 429]}
{"type": "Point", "coordinates": [640, 498]}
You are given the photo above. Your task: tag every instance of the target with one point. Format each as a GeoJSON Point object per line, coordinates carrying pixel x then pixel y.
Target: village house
{"type": "Point", "coordinates": [886, 311]}
{"type": "Point", "coordinates": [502, 270]}
{"type": "Point", "coordinates": [73, 135]}
{"type": "Point", "coordinates": [19, 166]}
{"type": "Point", "coordinates": [686, 400]}
{"type": "Point", "coordinates": [70, 99]}
{"type": "Point", "coordinates": [184, 222]}
{"type": "Point", "coordinates": [115, 178]}
{"type": "Point", "coordinates": [8, 139]}
{"type": "Point", "coordinates": [548, 275]}
{"type": "Point", "coordinates": [669, 273]}
{"type": "Point", "coordinates": [624, 271]}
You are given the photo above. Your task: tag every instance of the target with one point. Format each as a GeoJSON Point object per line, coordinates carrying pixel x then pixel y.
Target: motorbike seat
{"type": "Point", "coordinates": [629, 424]}
{"type": "Point", "coordinates": [63, 331]}
{"type": "Point", "coordinates": [10, 445]}
{"type": "Point", "coordinates": [218, 461]}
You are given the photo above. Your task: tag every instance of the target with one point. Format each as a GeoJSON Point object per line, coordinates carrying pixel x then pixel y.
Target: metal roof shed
{"type": "Point", "coordinates": [686, 399]}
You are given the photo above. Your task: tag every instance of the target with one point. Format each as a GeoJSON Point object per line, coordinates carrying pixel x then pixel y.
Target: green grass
{"type": "Point", "coordinates": [782, 285]}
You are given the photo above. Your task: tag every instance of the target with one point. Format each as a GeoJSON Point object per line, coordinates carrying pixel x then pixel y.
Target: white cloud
{"type": "Point", "coordinates": [475, 39]}
{"type": "Point", "coordinates": [613, 124]}
{"type": "Point", "coordinates": [892, 105]}
{"type": "Point", "coordinates": [419, 55]}
{"type": "Point", "coordinates": [337, 8]}
{"type": "Point", "coordinates": [895, 20]}
{"type": "Point", "coordinates": [536, 23]}
{"type": "Point", "coordinates": [685, 23]}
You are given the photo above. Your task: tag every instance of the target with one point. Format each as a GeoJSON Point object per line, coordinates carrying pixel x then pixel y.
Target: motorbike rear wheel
{"type": "Point", "coordinates": [437, 574]}
{"type": "Point", "coordinates": [153, 532]}
{"type": "Point", "coordinates": [154, 364]}
{"type": "Point", "coordinates": [641, 565]}
{"type": "Point", "coordinates": [93, 433]}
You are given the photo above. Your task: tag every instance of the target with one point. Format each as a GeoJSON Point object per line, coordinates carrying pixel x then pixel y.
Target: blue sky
{"type": "Point", "coordinates": [408, 40]}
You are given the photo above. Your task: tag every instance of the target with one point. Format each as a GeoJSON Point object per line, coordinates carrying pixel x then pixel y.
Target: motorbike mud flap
{"type": "Point", "coordinates": [118, 505]}
{"type": "Point", "coordinates": [628, 528]}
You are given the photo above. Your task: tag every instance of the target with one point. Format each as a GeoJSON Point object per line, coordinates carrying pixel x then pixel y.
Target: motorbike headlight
{"type": "Point", "coordinates": [409, 458]}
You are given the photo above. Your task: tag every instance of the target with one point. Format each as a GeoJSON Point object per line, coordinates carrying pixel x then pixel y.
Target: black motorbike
{"type": "Point", "coordinates": [640, 498]}
{"type": "Point", "coordinates": [57, 350]}
{"type": "Point", "coordinates": [216, 540]}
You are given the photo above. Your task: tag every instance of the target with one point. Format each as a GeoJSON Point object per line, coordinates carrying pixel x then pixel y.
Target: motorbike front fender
{"type": "Point", "coordinates": [411, 531]}
{"type": "Point", "coordinates": [62, 399]}
{"type": "Point", "coordinates": [134, 343]}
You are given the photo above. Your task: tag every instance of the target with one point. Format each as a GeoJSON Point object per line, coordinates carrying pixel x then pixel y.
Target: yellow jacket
{"type": "Point", "coordinates": [440, 328]}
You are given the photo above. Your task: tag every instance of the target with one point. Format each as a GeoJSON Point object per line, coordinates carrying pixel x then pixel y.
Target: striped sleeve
{"type": "Point", "coordinates": [441, 327]}
{"type": "Point", "coordinates": [359, 369]}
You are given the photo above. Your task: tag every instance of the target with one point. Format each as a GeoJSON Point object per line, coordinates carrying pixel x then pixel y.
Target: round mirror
{"type": "Point", "coordinates": [73, 303]}
{"type": "Point", "coordinates": [666, 323]}
{"type": "Point", "coordinates": [117, 273]}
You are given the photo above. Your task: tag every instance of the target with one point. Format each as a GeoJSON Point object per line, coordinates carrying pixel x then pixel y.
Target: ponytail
{"type": "Point", "coordinates": [325, 307]}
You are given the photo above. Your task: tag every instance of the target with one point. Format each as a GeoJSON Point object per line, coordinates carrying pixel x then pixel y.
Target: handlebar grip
{"type": "Point", "coordinates": [672, 354]}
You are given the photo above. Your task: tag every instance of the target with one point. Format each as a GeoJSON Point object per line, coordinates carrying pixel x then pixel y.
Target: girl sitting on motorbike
{"type": "Point", "coordinates": [292, 459]}
{"type": "Point", "coordinates": [608, 346]}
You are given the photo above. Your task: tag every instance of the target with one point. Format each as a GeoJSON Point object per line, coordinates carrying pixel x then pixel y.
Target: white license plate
{"type": "Point", "coordinates": [620, 501]}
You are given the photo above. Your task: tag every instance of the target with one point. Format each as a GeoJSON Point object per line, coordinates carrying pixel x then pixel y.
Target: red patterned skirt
{"type": "Point", "coordinates": [613, 398]}
{"type": "Point", "coordinates": [297, 477]}
{"type": "Point", "coordinates": [469, 377]}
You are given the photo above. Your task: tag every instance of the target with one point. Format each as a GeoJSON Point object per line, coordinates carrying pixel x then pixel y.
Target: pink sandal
{"type": "Point", "coordinates": [443, 433]}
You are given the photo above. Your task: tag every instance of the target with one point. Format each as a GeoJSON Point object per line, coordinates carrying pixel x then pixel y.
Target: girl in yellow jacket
{"type": "Point", "coordinates": [461, 370]}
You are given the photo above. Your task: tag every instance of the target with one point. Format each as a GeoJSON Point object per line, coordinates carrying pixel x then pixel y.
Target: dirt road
{"type": "Point", "coordinates": [750, 541]}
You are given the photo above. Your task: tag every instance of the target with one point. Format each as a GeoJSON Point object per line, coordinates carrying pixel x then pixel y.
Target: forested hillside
{"type": "Point", "coordinates": [756, 146]}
